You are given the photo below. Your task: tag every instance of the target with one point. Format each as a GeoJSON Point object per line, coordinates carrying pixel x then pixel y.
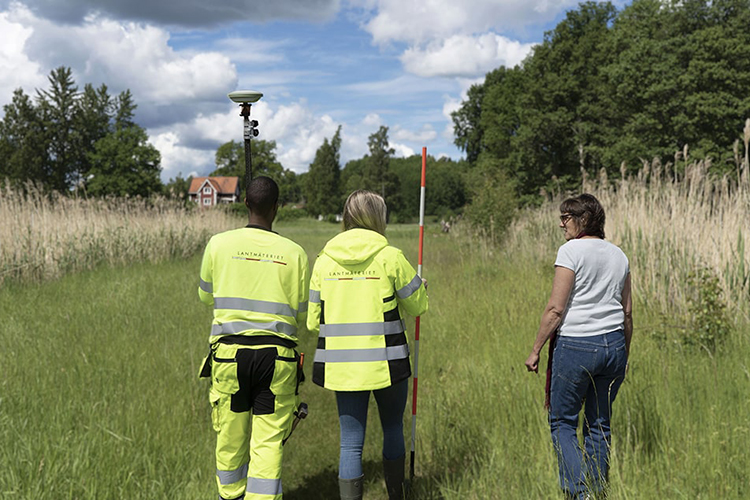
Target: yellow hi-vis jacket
{"type": "Point", "coordinates": [257, 282]}
{"type": "Point", "coordinates": [359, 287]}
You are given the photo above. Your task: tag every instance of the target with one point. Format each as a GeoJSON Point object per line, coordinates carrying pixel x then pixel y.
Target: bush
{"type": "Point", "coordinates": [709, 325]}
{"type": "Point", "coordinates": [493, 203]}
{"type": "Point", "coordinates": [290, 213]}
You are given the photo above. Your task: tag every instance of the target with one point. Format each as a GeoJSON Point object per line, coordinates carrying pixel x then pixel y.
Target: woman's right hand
{"type": "Point", "coordinates": [532, 362]}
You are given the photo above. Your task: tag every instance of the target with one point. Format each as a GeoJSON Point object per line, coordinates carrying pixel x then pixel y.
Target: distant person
{"type": "Point", "coordinates": [257, 283]}
{"type": "Point", "coordinates": [589, 323]}
{"type": "Point", "coordinates": [359, 287]}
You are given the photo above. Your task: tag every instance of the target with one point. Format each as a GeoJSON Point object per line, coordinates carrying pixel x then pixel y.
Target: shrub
{"type": "Point", "coordinates": [709, 325]}
{"type": "Point", "coordinates": [493, 203]}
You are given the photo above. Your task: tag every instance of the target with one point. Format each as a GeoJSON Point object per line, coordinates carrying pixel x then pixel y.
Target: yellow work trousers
{"type": "Point", "coordinates": [253, 399]}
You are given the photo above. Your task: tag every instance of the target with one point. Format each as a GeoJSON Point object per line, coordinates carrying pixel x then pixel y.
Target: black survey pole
{"type": "Point", "coordinates": [245, 98]}
{"type": "Point", "coordinates": [249, 132]}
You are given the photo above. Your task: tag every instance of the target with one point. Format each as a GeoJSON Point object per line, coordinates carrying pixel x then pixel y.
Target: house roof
{"type": "Point", "coordinates": [224, 185]}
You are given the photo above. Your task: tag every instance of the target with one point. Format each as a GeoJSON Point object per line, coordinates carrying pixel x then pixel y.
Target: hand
{"type": "Point", "coordinates": [532, 362]}
{"type": "Point", "coordinates": [424, 282]}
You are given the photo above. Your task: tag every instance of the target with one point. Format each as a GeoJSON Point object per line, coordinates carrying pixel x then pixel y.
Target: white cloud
{"type": "Point", "coordinates": [250, 50]}
{"type": "Point", "coordinates": [372, 120]}
{"type": "Point", "coordinates": [167, 85]}
{"type": "Point", "coordinates": [461, 55]}
{"type": "Point", "coordinates": [133, 56]}
{"type": "Point", "coordinates": [298, 133]}
{"type": "Point", "coordinates": [16, 69]}
{"type": "Point", "coordinates": [178, 159]}
{"type": "Point", "coordinates": [401, 149]}
{"type": "Point", "coordinates": [419, 21]}
{"type": "Point", "coordinates": [427, 134]}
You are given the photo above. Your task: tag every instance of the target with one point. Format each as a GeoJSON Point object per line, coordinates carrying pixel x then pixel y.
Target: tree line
{"type": "Point", "coordinates": [605, 90]}
{"type": "Point", "coordinates": [323, 189]}
{"type": "Point", "coordinates": [66, 140]}
{"type": "Point", "coordinates": [609, 89]}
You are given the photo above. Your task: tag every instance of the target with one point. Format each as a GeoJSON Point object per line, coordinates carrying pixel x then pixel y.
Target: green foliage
{"type": "Point", "coordinates": [709, 325]}
{"type": "Point", "coordinates": [606, 87]}
{"type": "Point", "coordinates": [351, 177]}
{"type": "Point", "coordinates": [377, 175]}
{"type": "Point", "coordinates": [493, 203]}
{"type": "Point", "coordinates": [322, 180]}
{"type": "Point", "coordinates": [446, 190]}
{"type": "Point", "coordinates": [230, 162]}
{"type": "Point", "coordinates": [67, 136]}
{"type": "Point", "coordinates": [290, 213]}
{"type": "Point", "coordinates": [178, 187]}
{"type": "Point", "coordinates": [123, 163]}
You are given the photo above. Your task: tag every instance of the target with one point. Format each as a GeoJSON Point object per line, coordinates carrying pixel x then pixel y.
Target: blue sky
{"type": "Point", "coordinates": [320, 64]}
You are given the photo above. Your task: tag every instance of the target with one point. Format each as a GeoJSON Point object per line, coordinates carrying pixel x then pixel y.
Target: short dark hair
{"type": "Point", "coordinates": [261, 195]}
{"type": "Point", "coordinates": [588, 213]}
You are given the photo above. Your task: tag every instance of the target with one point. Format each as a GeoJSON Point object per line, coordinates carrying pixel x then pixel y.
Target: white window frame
{"type": "Point", "coordinates": [206, 201]}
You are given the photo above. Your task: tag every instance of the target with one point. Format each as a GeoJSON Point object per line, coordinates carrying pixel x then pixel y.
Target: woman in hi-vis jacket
{"type": "Point", "coordinates": [359, 289]}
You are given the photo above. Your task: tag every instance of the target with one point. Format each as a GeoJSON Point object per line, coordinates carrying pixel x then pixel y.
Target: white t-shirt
{"type": "Point", "coordinates": [595, 304]}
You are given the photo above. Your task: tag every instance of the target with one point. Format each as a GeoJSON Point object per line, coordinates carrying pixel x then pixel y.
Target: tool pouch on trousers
{"type": "Point", "coordinates": [205, 370]}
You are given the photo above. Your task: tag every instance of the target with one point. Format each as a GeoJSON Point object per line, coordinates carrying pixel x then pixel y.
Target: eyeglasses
{"type": "Point", "coordinates": [565, 218]}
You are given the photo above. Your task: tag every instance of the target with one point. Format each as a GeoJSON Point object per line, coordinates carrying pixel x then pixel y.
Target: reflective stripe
{"type": "Point", "coordinates": [232, 476]}
{"type": "Point", "coordinates": [303, 307]}
{"type": "Point", "coordinates": [261, 306]}
{"type": "Point", "coordinates": [410, 288]}
{"type": "Point", "coordinates": [241, 326]}
{"type": "Point", "coordinates": [315, 296]}
{"type": "Point", "coordinates": [346, 329]}
{"type": "Point", "coordinates": [263, 486]}
{"type": "Point", "coordinates": [361, 355]}
{"type": "Point", "coordinates": [206, 286]}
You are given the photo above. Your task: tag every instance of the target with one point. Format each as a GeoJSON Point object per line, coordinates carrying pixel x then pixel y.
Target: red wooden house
{"type": "Point", "coordinates": [210, 191]}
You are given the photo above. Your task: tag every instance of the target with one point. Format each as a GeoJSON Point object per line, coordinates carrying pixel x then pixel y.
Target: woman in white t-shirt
{"type": "Point", "coordinates": [588, 321]}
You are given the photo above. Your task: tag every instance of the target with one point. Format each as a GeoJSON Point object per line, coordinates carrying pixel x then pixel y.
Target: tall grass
{"type": "Point", "coordinates": [669, 224]}
{"type": "Point", "coordinates": [44, 236]}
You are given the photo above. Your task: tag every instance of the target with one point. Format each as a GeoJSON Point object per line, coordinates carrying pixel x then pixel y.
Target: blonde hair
{"type": "Point", "coordinates": [366, 210]}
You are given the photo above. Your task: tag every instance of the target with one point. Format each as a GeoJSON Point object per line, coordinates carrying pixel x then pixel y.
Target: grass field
{"type": "Point", "coordinates": [99, 397]}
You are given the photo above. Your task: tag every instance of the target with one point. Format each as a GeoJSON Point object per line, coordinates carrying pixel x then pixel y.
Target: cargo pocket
{"type": "Point", "coordinates": [285, 372]}
{"type": "Point", "coordinates": [224, 369]}
{"type": "Point", "coordinates": [214, 397]}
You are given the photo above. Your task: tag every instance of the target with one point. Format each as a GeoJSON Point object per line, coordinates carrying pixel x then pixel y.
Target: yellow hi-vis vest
{"type": "Point", "coordinates": [257, 282]}
{"type": "Point", "coordinates": [359, 287]}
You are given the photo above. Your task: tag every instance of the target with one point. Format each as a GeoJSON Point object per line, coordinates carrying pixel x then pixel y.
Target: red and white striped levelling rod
{"type": "Point", "coordinates": [416, 325]}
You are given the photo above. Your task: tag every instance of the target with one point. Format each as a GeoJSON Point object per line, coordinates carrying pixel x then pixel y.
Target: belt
{"type": "Point", "coordinates": [258, 340]}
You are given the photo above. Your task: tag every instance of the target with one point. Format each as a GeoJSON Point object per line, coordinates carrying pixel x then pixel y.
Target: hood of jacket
{"type": "Point", "coordinates": [355, 246]}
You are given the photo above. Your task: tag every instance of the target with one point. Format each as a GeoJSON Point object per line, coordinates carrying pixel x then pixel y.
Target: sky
{"type": "Point", "coordinates": [320, 64]}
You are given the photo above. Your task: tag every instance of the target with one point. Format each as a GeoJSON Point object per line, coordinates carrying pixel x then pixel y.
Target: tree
{"type": "Point", "coordinates": [178, 187]}
{"type": "Point", "coordinates": [322, 182]}
{"type": "Point", "coordinates": [376, 175]}
{"type": "Point", "coordinates": [67, 136]}
{"type": "Point", "coordinates": [124, 164]}
{"type": "Point", "coordinates": [230, 160]}
{"type": "Point", "coordinates": [58, 111]}
{"type": "Point", "coordinates": [22, 142]}
{"type": "Point", "coordinates": [91, 123]}
{"type": "Point", "coordinates": [466, 123]}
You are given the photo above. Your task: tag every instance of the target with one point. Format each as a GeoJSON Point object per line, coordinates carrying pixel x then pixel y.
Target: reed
{"type": "Point", "coordinates": [670, 224]}
{"type": "Point", "coordinates": [44, 236]}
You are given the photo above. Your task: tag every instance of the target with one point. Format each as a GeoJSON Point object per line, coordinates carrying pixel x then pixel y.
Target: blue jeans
{"type": "Point", "coordinates": [353, 421]}
{"type": "Point", "coordinates": [589, 369]}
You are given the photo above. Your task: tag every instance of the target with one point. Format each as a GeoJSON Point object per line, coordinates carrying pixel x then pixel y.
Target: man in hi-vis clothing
{"type": "Point", "coordinates": [257, 282]}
